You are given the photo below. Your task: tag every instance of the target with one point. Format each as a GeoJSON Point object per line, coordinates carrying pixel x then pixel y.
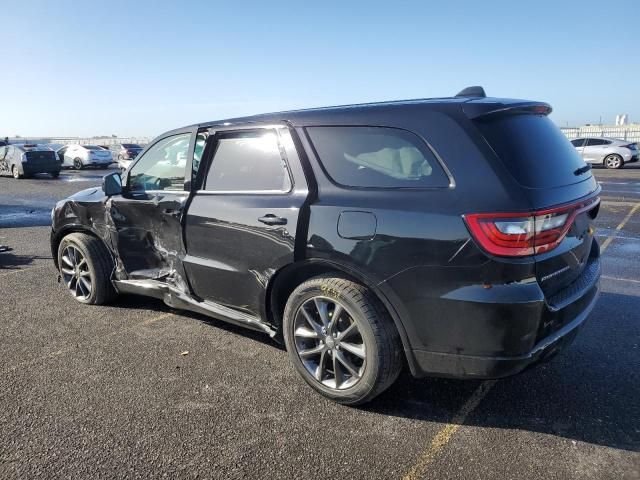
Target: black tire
{"type": "Point", "coordinates": [613, 161]}
{"type": "Point", "coordinates": [100, 266]}
{"type": "Point", "coordinates": [77, 164]}
{"type": "Point", "coordinates": [383, 361]}
{"type": "Point", "coordinates": [55, 174]}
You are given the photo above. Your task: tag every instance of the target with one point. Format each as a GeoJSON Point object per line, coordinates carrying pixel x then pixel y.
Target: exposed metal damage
{"type": "Point", "coordinates": [163, 255]}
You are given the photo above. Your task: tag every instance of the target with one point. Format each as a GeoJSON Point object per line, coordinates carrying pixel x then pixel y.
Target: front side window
{"type": "Point", "coordinates": [248, 161]}
{"type": "Point", "coordinates": [163, 166]}
{"type": "Point", "coordinates": [579, 142]}
{"type": "Point", "coordinates": [592, 142]}
{"type": "Point", "coordinates": [377, 157]}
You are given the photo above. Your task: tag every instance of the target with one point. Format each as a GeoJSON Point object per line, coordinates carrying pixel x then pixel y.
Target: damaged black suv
{"type": "Point", "coordinates": [454, 235]}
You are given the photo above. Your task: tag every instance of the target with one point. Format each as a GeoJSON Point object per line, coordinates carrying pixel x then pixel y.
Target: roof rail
{"type": "Point", "coordinates": [475, 91]}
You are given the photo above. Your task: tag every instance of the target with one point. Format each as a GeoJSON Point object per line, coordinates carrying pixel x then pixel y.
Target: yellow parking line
{"type": "Point", "coordinates": [624, 221]}
{"type": "Point", "coordinates": [62, 351]}
{"type": "Point", "coordinates": [11, 272]}
{"type": "Point", "coordinates": [447, 432]}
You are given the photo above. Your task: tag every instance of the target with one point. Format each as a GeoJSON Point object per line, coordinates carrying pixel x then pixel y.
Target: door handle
{"type": "Point", "coordinates": [271, 219]}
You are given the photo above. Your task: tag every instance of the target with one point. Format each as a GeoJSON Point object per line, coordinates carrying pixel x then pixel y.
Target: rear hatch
{"type": "Point", "coordinates": [559, 186]}
{"type": "Point", "coordinates": [41, 158]}
{"type": "Point", "coordinates": [99, 154]}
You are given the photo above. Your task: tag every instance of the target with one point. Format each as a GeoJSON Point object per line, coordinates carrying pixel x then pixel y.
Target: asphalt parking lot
{"type": "Point", "coordinates": [106, 392]}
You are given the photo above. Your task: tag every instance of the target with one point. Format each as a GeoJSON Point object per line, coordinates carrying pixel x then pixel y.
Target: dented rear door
{"type": "Point", "coordinates": [244, 221]}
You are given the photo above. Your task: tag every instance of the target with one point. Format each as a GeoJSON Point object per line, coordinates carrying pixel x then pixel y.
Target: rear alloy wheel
{"type": "Point", "coordinates": [85, 268]}
{"type": "Point", "coordinates": [77, 164]}
{"type": "Point", "coordinates": [613, 161]}
{"type": "Point", "coordinates": [16, 172]}
{"type": "Point", "coordinates": [341, 340]}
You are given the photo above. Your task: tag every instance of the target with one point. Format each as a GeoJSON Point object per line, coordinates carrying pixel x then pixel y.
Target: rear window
{"type": "Point", "coordinates": [131, 145]}
{"type": "Point", "coordinates": [376, 157]}
{"type": "Point", "coordinates": [534, 150]}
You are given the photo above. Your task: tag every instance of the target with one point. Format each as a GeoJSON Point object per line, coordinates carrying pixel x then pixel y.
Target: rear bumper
{"type": "Point", "coordinates": [99, 162]}
{"type": "Point", "coordinates": [33, 169]}
{"type": "Point", "coordinates": [482, 367]}
{"type": "Point", "coordinates": [634, 158]}
{"type": "Point", "coordinates": [491, 331]}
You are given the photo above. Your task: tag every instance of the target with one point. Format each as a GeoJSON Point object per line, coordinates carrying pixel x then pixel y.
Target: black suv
{"type": "Point", "coordinates": [452, 234]}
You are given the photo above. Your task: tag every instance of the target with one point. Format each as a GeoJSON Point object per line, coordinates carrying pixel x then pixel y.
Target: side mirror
{"type": "Point", "coordinates": [112, 184]}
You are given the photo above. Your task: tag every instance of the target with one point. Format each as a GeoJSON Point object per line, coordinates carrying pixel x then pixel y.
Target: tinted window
{"type": "Point", "coordinates": [591, 142]}
{"type": "Point", "coordinates": [534, 150]}
{"type": "Point", "coordinates": [92, 147]}
{"type": "Point", "coordinates": [248, 161]}
{"type": "Point", "coordinates": [198, 149]}
{"type": "Point", "coordinates": [131, 145]}
{"type": "Point", "coordinates": [376, 157]}
{"type": "Point", "coordinates": [163, 166]}
{"type": "Point", "coordinates": [579, 142]}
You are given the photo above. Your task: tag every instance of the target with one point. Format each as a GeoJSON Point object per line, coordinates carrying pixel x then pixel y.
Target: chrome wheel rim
{"type": "Point", "coordinates": [613, 162]}
{"type": "Point", "coordinates": [329, 343]}
{"type": "Point", "coordinates": [16, 173]}
{"type": "Point", "coordinates": [75, 272]}
{"type": "Point", "coordinates": [77, 163]}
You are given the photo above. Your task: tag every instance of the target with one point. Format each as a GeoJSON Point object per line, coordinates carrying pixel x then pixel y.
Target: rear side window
{"type": "Point", "coordinates": [376, 157]}
{"type": "Point", "coordinates": [248, 162]}
{"type": "Point", "coordinates": [534, 150]}
{"type": "Point", "coordinates": [578, 142]}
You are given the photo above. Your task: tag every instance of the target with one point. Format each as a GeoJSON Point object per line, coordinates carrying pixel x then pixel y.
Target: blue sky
{"type": "Point", "coordinates": [142, 67]}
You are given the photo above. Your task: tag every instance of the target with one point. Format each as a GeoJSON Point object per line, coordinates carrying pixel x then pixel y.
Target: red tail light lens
{"type": "Point", "coordinates": [522, 234]}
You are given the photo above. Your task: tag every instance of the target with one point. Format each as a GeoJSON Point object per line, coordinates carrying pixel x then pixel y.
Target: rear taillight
{"type": "Point", "coordinates": [522, 234]}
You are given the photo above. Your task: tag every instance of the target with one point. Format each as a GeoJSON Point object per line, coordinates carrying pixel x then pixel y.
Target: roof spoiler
{"type": "Point", "coordinates": [482, 110]}
{"type": "Point", "coordinates": [475, 91]}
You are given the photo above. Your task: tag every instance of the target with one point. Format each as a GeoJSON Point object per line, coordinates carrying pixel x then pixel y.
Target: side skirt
{"type": "Point", "coordinates": [177, 299]}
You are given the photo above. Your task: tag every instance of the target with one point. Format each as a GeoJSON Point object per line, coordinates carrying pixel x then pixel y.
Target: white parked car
{"type": "Point", "coordinates": [610, 152]}
{"type": "Point", "coordinates": [81, 156]}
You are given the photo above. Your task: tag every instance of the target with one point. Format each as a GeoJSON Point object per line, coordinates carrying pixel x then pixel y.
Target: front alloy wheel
{"type": "Point", "coordinates": [75, 272]}
{"type": "Point", "coordinates": [85, 268]}
{"type": "Point", "coordinates": [341, 340]}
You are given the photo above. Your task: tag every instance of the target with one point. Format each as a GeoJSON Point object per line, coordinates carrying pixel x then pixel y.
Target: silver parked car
{"type": "Point", "coordinates": [80, 156]}
{"type": "Point", "coordinates": [610, 152]}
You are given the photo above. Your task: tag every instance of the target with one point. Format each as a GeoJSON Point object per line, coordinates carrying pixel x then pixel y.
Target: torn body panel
{"type": "Point", "coordinates": [145, 241]}
{"type": "Point", "coordinates": [147, 235]}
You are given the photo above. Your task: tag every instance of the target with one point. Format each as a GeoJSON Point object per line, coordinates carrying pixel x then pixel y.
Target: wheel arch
{"type": "Point", "coordinates": [285, 280]}
{"type": "Point", "coordinates": [58, 235]}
